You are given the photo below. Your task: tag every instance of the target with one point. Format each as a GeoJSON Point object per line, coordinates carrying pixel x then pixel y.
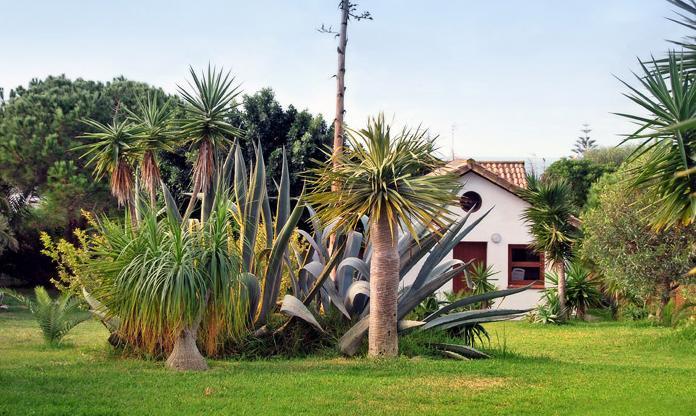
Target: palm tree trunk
{"type": "Point", "coordinates": [563, 313]}
{"type": "Point", "coordinates": [384, 286]}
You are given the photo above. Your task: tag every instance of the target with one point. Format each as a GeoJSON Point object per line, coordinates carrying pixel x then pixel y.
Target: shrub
{"type": "Point", "coordinates": [628, 255]}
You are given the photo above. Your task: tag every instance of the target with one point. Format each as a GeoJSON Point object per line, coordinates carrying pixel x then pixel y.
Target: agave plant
{"type": "Point", "coordinates": [154, 134]}
{"type": "Point", "coordinates": [350, 292]}
{"type": "Point", "coordinates": [56, 317]}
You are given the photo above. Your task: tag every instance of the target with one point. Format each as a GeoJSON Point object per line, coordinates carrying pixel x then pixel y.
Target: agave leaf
{"type": "Point", "coordinates": [453, 355]}
{"type": "Point", "coordinates": [405, 325]}
{"type": "Point", "coordinates": [252, 209]}
{"type": "Point", "coordinates": [330, 291]}
{"type": "Point", "coordinates": [253, 293]}
{"type": "Point", "coordinates": [314, 268]}
{"type": "Point", "coordinates": [356, 263]}
{"type": "Point", "coordinates": [478, 321]}
{"type": "Point", "coordinates": [293, 307]}
{"type": "Point", "coordinates": [112, 323]}
{"type": "Point", "coordinates": [321, 251]}
{"type": "Point", "coordinates": [228, 166]}
{"type": "Point", "coordinates": [351, 340]}
{"type": "Point", "coordinates": [474, 299]}
{"type": "Point", "coordinates": [467, 315]}
{"type": "Point", "coordinates": [267, 219]}
{"type": "Point", "coordinates": [294, 282]}
{"type": "Point", "coordinates": [344, 276]}
{"type": "Point", "coordinates": [283, 206]}
{"type": "Point", "coordinates": [354, 304]}
{"type": "Point", "coordinates": [444, 246]}
{"type": "Point", "coordinates": [349, 344]}
{"type": "Point", "coordinates": [172, 209]}
{"type": "Point", "coordinates": [414, 252]}
{"type": "Point", "coordinates": [462, 350]}
{"type": "Point", "coordinates": [240, 179]}
{"type": "Point", "coordinates": [274, 268]}
{"type": "Point", "coordinates": [413, 297]}
{"type": "Point", "coordinates": [325, 273]}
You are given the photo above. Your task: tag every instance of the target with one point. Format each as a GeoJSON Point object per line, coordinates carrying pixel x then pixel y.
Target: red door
{"type": "Point", "coordinates": [466, 251]}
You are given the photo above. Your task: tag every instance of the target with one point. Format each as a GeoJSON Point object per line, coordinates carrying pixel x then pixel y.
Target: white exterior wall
{"type": "Point", "coordinates": [505, 220]}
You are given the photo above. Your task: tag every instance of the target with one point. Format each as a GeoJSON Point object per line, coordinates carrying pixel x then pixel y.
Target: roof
{"type": "Point", "coordinates": [509, 175]}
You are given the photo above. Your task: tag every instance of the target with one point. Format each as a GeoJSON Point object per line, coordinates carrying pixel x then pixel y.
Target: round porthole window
{"type": "Point", "coordinates": [470, 201]}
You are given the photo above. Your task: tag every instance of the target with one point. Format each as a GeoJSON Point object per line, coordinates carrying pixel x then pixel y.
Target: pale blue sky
{"type": "Point", "coordinates": [517, 78]}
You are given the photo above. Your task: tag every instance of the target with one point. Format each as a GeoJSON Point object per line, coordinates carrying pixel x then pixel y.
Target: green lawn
{"type": "Point", "coordinates": [601, 368]}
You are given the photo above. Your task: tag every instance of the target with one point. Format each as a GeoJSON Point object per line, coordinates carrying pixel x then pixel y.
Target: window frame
{"type": "Point", "coordinates": [541, 283]}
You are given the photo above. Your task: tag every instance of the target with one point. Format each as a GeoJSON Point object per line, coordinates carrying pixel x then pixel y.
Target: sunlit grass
{"type": "Point", "coordinates": [601, 368]}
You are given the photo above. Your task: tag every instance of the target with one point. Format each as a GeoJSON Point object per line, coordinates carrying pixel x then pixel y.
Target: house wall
{"type": "Point", "coordinates": [504, 219]}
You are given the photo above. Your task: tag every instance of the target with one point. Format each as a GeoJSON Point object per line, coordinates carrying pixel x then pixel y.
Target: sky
{"type": "Point", "coordinates": [506, 79]}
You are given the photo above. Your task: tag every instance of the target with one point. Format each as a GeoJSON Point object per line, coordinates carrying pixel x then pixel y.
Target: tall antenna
{"type": "Point", "coordinates": [454, 127]}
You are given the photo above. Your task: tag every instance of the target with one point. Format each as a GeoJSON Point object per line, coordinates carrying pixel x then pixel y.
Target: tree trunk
{"type": "Point", "coordinates": [384, 286]}
{"type": "Point", "coordinates": [563, 312]}
{"type": "Point", "coordinates": [341, 82]}
{"type": "Point", "coordinates": [185, 355]}
{"type": "Point", "coordinates": [340, 106]}
{"type": "Point", "coordinates": [665, 296]}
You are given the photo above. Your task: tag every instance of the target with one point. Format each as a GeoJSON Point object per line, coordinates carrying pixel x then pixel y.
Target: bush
{"type": "Point", "coordinates": [637, 263]}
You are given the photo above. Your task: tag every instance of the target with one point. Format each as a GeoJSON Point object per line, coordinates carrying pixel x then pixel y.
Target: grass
{"type": "Point", "coordinates": [600, 368]}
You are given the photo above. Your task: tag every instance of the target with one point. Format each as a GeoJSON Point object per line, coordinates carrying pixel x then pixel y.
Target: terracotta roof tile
{"type": "Point", "coordinates": [511, 171]}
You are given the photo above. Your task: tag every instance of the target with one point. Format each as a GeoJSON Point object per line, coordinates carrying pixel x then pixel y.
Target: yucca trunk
{"type": "Point", "coordinates": [185, 355]}
{"type": "Point", "coordinates": [121, 183]}
{"type": "Point", "coordinates": [202, 173]}
{"type": "Point", "coordinates": [151, 175]}
{"type": "Point", "coordinates": [563, 313]}
{"type": "Point", "coordinates": [384, 286]}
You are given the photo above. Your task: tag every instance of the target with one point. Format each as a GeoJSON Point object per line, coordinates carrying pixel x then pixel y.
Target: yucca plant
{"type": "Point", "coordinates": [208, 105]}
{"type": "Point", "coordinates": [381, 176]}
{"type": "Point", "coordinates": [549, 216]}
{"type": "Point", "coordinates": [667, 133]}
{"type": "Point", "coordinates": [154, 134]}
{"type": "Point", "coordinates": [56, 317]}
{"type": "Point", "coordinates": [582, 291]}
{"type": "Point", "coordinates": [480, 276]}
{"type": "Point", "coordinates": [112, 152]}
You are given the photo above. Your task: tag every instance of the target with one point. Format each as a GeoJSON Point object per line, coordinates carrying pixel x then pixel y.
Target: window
{"type": "Point", "coordinates": [525, 266]}
{"type": "Point", "coordinates": [470, 201]}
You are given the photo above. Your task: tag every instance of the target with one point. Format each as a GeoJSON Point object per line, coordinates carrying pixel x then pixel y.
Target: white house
{"type": "Point", "coordinates": [500, 240]}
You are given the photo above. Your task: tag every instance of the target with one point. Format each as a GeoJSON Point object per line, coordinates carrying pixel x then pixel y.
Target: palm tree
{"type": "Point", "coordinates": [153, 121]}
{"type": "Point", "coordinates": [381, 176]}
{"type": "Point", "coordinates": [549, 216]}
{"type": "Point", "coordinates": [205, 123]}
{"type": "Point", "coordinates": [668, 135]}
{"type": "Point", "coordinates": [112, 153]}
